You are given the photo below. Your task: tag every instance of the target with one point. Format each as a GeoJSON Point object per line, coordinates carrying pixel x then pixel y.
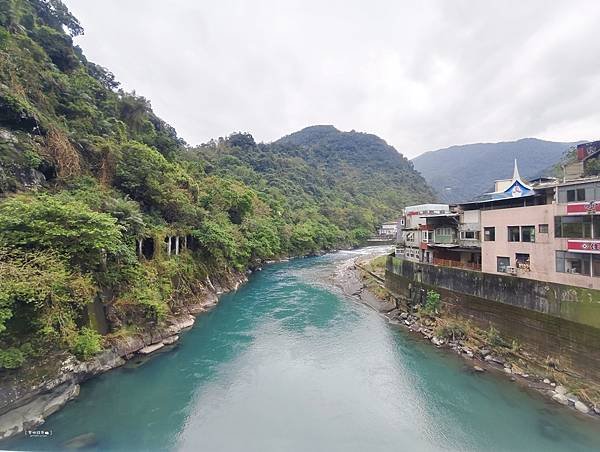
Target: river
{"type": "Point", "coordinates": [288, 364]}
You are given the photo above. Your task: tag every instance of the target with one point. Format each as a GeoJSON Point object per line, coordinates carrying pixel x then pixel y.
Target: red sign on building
{"type": "Point", "coordinates": [584, 246]}
{"type": "Point", "coordinates": [582, 208]}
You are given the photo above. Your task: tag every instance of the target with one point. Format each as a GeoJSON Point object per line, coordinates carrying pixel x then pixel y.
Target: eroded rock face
{"type": "Point", "coordinates": [35, 412]}
{"type": "Point", "coordinates": [171, 339]}
{"type": "Point", "coordinates": [151, 348]}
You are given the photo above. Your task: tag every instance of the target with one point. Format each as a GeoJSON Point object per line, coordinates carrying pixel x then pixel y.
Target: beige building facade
{"type": "Point", "coordinates": [555, 242]}
{"type": "Point", "coordinates": [548, 230]}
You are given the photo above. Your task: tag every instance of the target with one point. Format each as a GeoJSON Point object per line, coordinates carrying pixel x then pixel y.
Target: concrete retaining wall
{"type": "Point", "coordinates": [561, 322]}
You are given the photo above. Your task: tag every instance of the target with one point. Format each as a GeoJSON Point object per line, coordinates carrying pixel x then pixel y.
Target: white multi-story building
{"type": "Point", "coordinates": [413, 236]}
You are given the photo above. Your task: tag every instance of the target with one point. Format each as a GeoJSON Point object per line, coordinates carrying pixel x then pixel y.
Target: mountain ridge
{"type": "Point", "coordinates": [444, 169]}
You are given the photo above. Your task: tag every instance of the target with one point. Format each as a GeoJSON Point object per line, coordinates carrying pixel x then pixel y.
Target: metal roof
{"type": "Point", "coordinates": [435, 215]}
{"type": "Point", "coordinates": [498, 198]}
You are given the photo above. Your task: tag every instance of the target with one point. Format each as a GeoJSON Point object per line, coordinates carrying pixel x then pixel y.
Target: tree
{"type": "Point", "coordinates": [222, 241]}
{"type": "Point", "coordinates": [38, 289]}
{"type": "Point", "coordinates": [149, 178]}
{"type": "Point", "coordinates": [71, 228]}
{"type": "Point", "coordinates": [242, 140]}
{"type": "Point", "coordinates": [58, 46]}
{"type": "Point", "coordinates": [55, 14]}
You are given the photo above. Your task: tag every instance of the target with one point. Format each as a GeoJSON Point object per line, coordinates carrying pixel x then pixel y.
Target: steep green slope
{"type": "Point", "coordinates": [353, 180]}
{"type": "Point", "coordinates": [361, 164]}
{"type": "Point", "coordinates": [459, 173]}
{"type": "Point", "coordinates": [95, 190]}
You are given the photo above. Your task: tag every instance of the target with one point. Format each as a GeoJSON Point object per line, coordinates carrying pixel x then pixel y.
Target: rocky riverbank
{"type": "Point", "coordinates": [29, 396]}
{"type": "Point", "coordinates": [482, 352]}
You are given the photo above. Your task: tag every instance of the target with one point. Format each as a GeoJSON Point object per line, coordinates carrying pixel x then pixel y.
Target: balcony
{"type": "Point", "coordinates": [440, 239]}
{"type": "Point", "coordinates": [456, 264]}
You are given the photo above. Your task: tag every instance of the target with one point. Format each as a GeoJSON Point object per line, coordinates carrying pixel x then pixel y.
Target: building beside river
{"type": "Point", "coordinates": [545, 230]}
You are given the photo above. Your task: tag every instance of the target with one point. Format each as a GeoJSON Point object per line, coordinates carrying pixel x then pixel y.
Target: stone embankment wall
{"type": "Point", "coordinates": [560, 322]}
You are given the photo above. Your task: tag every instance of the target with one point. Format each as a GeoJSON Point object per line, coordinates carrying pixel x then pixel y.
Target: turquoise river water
{"type": "Point", "coordinates": [288, 364]}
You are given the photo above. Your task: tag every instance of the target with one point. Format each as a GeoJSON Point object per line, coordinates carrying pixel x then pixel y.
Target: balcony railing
{"type": "Point", "coordinates": [445, 239]}
{"type": "Point", "coordinates": [456, 264]}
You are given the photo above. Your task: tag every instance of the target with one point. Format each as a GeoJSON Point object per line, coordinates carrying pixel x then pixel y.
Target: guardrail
{"type": "Point", "coordinates": [456, 264]}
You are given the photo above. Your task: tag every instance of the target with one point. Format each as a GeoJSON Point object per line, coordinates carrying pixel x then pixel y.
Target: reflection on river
{"type": "Point", "coordinates": [288, 364]}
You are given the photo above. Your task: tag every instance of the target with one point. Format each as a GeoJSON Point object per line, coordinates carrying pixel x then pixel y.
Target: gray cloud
{"type": "Point", "coordinates": [421, 75]}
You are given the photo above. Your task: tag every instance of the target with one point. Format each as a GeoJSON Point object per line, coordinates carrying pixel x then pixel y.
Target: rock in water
{"type": "Point", "coordinates": [478, 369]}
{"type": "Point", "coordinates": [582, 407]}
{"type": "Point", "coordinates": [81, 441]}
{"type": "Point", "coordinates": [560, 398]}
{"type": "Point", "coordinates": [170, 340]}
{"type": "Point", "coordinates": [151, 348]}
{"type": "Point", "coordinates": [560, 390]}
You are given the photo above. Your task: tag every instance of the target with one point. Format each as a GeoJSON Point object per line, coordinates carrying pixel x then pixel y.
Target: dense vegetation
{"type": "Point", "coordinates": [591, 167]}
{"type": "Point", "coordinates": [445, 169]}
{"type": "Point", "coordinates": [87, 170]}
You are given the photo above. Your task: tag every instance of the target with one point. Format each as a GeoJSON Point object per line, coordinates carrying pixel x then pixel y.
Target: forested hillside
{"type": "Point", "coordinates": [98, 195]}
{"type": "Point", "coordinates": [343, 182]}
{"type": "Point", "coordinates": [459, 173]}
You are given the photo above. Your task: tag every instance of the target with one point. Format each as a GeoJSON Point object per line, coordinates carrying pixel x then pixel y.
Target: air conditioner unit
{"type": "Point", "coordinates": [511, 270]}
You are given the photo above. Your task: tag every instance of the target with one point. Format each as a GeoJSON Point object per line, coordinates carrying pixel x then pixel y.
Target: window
{"type": "Point", "coordinates": [595, 265]}
{"type": "Point", "coordinates": [444, 231]}
{"type": "Point", "coordinates": [573, 227]}
{"type": "Point", "coordinates": [489, 234]}
{"type": "Point", "coordinates": [514, 234]}
{"type": "Point", "coordinates": [467, 235]}
{"type": "Point", "coordinates": [502, 263]}
{"type": "Point", "coordinates": [543, 229]}
{"type": "Point", "coordinates": [576, 263]}
{"type": "Point", "coordinates": [522, 261]}
{"type": "Point", "coordinates": [527, 233]}
{"type": "Point", "coordinates": [576, 195]}
{"type": "Point", "coordinates": [596, 226]}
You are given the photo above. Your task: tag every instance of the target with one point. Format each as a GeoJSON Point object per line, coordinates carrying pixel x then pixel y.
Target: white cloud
{"type": "Point", "coordinates": [422, 75]}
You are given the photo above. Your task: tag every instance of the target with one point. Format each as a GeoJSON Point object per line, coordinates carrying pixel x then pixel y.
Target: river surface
{"type": "Point", "coordinates": [289, 364]}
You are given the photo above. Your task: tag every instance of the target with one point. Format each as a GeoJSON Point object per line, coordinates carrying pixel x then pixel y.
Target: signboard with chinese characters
{"type": "Point", "coordinates": [584, 246]}
{"type": "Point", "coordinates": [582, 208]}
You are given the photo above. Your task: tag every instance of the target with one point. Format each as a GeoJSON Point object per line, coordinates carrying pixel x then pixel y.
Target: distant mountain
{"type": "Point", "coordinates": [459, 173]}
{"type": "Point", "coordinates": [361, 165]}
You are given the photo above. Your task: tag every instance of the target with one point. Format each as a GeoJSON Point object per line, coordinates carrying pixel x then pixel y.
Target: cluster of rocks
{"type": "Point", "coordinates": [561, 395]}
{"type": "Point", "coordinates": [424, 326]}
{"type": "Point", "coordinates": [482, 358]}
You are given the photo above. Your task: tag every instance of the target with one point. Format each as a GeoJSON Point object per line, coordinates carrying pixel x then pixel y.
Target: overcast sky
{"type": "Point", "coordinates": [421, 74]}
